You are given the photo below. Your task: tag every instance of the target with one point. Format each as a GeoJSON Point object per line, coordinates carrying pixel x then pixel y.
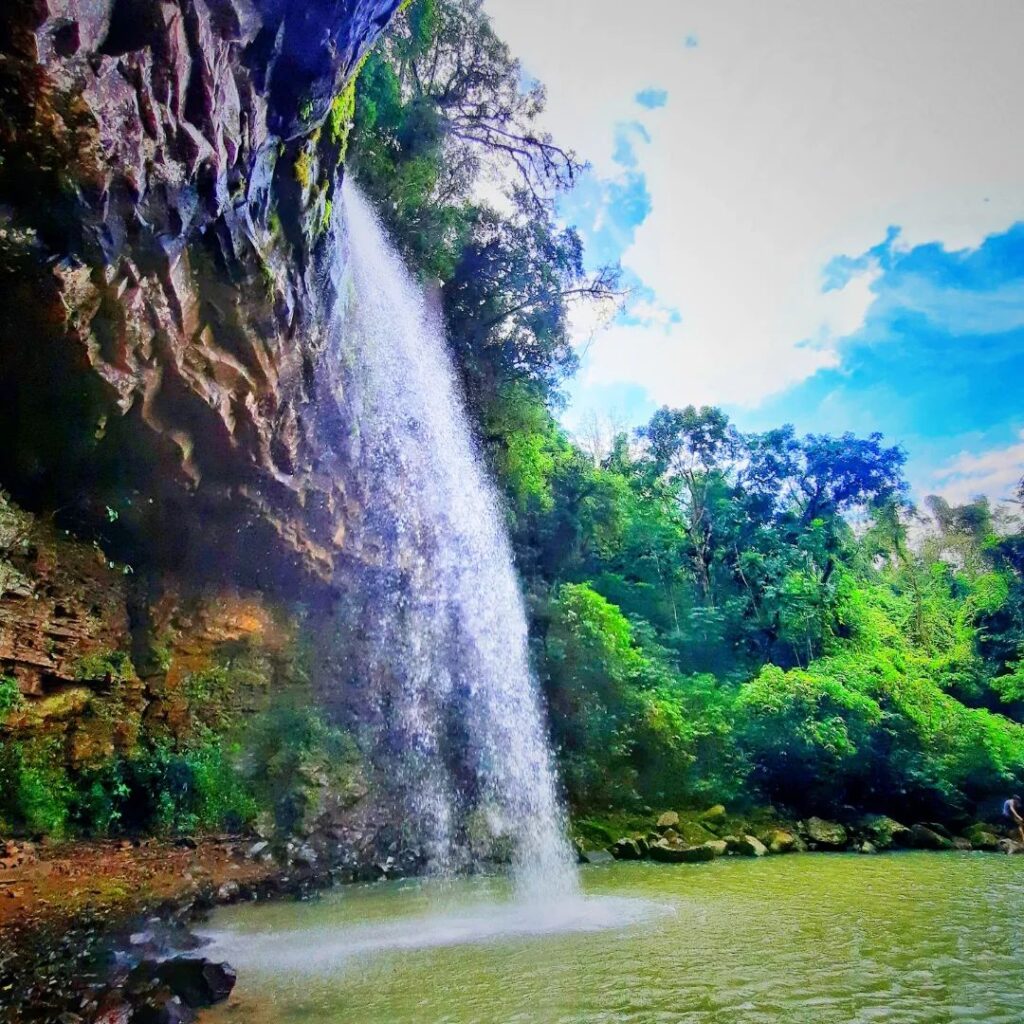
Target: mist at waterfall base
{"type": "Point", "coordinates": [443, 630]}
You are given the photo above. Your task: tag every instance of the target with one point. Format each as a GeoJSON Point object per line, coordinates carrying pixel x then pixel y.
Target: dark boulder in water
{"type": "Point", "coordinates": [925, 838]}
{"type": "Point", "coordinates": [196, 982]}
{"type": "Point", "coordinates": [627, 849]}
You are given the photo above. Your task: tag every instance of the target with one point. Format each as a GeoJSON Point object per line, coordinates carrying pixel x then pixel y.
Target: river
{"type": "Point", "coordinates": [909, 937]}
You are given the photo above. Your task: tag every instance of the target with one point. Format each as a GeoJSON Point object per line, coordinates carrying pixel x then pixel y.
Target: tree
{"type": "Point", "coordinates": [696, 449]}
{"type": "Point", "coordinates": [451, 63]}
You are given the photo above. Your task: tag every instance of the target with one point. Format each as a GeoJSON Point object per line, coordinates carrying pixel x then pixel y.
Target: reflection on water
{"type": "Point", "coordinates": [829, 939]}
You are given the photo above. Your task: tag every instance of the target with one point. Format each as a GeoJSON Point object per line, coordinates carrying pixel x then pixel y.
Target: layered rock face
{"type": "Point", "coordinates": [168, 169]}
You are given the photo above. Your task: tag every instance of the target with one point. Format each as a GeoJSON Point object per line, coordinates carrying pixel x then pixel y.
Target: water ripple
{"type": "Point", "coordinates": [903, 939]}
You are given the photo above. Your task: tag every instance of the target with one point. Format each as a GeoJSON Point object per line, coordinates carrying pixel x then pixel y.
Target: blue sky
{"type": "Point", "coordinates": [819, 209]}
{"type": "Point", "coordinates": [938, 362]}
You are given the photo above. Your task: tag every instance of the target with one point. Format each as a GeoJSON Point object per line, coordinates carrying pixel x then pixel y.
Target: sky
{"type": "Point", "coordinates": [818, 206]}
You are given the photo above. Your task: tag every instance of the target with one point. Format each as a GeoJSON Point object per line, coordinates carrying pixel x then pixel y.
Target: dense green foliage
{"type": "Point", "coordinates": [227, 767]}
{"type": "Point", "coordinates": [757, 616]}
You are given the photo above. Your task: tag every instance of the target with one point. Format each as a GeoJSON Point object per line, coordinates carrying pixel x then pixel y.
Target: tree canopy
{"type": "Point", "coordinates": [715, 614]}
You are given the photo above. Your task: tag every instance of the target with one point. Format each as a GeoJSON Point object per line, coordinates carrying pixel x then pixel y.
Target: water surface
{"type": "Point", "coordinates": [816, 938]}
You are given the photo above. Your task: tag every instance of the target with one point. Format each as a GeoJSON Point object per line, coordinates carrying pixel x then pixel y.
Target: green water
{"type": "Point", "coordinates": [817, 938]}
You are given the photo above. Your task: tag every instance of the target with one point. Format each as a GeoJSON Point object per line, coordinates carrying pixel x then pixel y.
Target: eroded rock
{"type": "Point", "coordinates": [159, 251]}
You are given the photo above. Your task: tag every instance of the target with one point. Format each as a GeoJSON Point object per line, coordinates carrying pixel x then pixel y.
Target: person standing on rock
{"type": "Point", "coordinates": [1014, 810]}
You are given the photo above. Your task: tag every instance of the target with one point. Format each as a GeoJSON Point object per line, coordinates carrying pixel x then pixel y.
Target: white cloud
{"type": "Point", "coordinates": [796, 130]}
{"type": "Point", "coordinates": [995, 473]}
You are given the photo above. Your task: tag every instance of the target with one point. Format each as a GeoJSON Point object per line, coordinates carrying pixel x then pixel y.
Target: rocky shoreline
{"type": "Point", "coordinates": [101, 932]}
{"type": "Point", "coordinates": [679, 838]}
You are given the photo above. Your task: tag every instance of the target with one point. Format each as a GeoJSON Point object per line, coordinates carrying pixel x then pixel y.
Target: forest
{"type": "Point", "coordinates": [715, 615]}
{"type": "Point", "coordinates": [754, 618]}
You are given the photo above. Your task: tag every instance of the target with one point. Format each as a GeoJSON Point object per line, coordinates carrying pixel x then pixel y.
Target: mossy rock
{"type": "Point", "coordinates": [884, 832]}
{"type": "Point", "coordinates": [925, 838]}
{"type": "Point", "coordinates": [593, 833]}
{"type": "Point", "coordinates": [982, 837]}
{"type": "Point", "coordinates": [693, 833]}
{"type": "Point", "coordinates": [68, 704]}
{"type": "Point", "coordinates": [670, 819]}
{"type": "Point", "coordinates": [778, 840]}
{"type": "Point", "coordinates": [828, 835]}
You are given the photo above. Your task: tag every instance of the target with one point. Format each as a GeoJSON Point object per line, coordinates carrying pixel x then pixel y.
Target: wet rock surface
{"type": "Point", "coordinates": [102, 930]}
{"type": "Point", "coordinates": [157, 246]}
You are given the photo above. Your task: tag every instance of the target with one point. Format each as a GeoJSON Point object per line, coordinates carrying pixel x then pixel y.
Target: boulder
{"type": "Point", "coordinates": [305, 856]}
{"type": "Point", "coordinates": [597, 857]}
{"type": "Point", "coordinates": [718, 847]}
{"type": "Point", "coordinates": [885, 832]}
{"type": "Point", "coordinates": [626, 849]}
{"type": "Point", "coordinates": [196, 982]}
{"type": "Point", "coordinates": [867, 847]}
{"type": "Point", "coordinates": [161, 1007]}
{"type": "Point", "coordinates": [982, 837]}
{"type": "Point", "coordinates": [714, 815]}
{"type": "Point", "coordinates": [670, 819]}
{"type": "Point", "coordinates": [828, 835]}
{"type": "Point", "coordinates": [938, 827]}
{"type": "Point", "coordinates": [960, 843]}
{"type": "Point", "coordinates": [778, 840]}
{"type": "Point", "coordinates": [228, 892]}
{"type": "Point", "coordinates": [670, 853]}
{"type": "Point", "coordinates": [1010, 846]}
{"type": "Point", "coordinates": [746, 846]}
{"type": "Point", "coordinates": [693, 833]}
{"type": "Point", "coordinates": [925, 838]}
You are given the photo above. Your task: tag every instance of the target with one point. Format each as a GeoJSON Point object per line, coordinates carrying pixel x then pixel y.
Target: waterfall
{"type": "Point", "coordinates": [444, 628]}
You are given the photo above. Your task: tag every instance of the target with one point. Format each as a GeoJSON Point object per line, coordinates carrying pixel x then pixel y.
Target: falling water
{"type": "Point", "coordinates": [448, 633]}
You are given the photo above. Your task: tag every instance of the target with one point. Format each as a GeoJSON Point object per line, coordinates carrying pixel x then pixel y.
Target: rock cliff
{"type": "Point", "coordinates": [167, 170]}
{"type": "Point", "coordinates": [170, 519]}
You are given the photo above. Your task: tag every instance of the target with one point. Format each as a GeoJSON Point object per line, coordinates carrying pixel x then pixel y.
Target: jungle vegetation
{"type": "Point", "coordinates": [715, 614]}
